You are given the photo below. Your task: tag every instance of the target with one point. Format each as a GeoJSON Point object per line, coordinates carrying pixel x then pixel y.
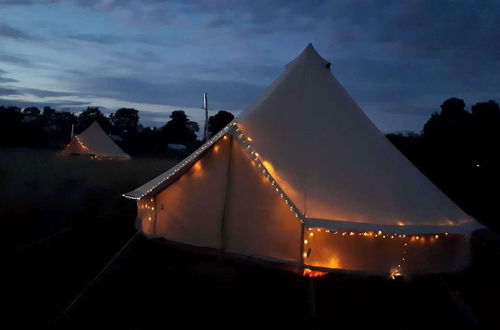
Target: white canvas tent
{"type": "Point", "coordinates": [303, 176]}
{"type": "Point", "coordinates": [95, 143]}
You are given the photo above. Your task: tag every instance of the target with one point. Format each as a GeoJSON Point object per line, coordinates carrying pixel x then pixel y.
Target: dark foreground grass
{"type": "Point", "coordinates": [42, 194]}
{"type": "Point", "coordinates": [154, 285]}
{"type": "Point", "coordinates": [62, 219]}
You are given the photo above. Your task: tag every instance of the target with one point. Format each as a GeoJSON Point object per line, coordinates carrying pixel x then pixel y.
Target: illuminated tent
{"type": "Point", "coordinates": [304, 177]}
{"type": "Point", "coordinates": [95, 143]}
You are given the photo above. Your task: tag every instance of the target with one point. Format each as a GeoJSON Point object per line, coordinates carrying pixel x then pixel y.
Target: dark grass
{"type": "Point", "coordinates": [155, 285]}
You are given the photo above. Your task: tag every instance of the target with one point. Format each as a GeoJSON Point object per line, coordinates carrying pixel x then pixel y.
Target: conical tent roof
{"type": "Point", "coordinates": [94, 141]}
{"type": "Point", "coordinates": [332, 163]}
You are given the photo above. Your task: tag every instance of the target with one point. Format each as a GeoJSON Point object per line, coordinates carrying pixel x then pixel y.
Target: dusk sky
{"type": "Point", "coordinates": [398, 59]}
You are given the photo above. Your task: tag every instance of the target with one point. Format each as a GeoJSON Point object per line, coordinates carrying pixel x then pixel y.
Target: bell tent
{"type": "Point", "coordinates": [96, 144]}
{"type": "Point", "coordinates": [304, 177]}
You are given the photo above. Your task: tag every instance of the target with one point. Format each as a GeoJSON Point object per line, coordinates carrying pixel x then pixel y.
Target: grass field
{"type": "Point", "coordinates": [41, 194]}
{"type": "Point", "coordinates": [63, 220]}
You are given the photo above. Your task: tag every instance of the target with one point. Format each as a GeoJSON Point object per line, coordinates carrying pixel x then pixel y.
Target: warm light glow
{"type": "Point", "coordinates": [216, 148]}
{"type": "Point", "coordinates": [284, 185]}
{"type": "Point", "coordinates": [313, 273]}
{"type": "Point", "coordinates": [249, 139]}
{"type": "Point", "coordinates": [395, 272]}
{"type": "Point", "coordinates": [225, 137]}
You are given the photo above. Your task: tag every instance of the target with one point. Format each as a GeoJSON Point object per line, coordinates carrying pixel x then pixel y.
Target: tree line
{"type": "Point", "coordinates": [458, 148]}
{"type": "Point", "coordinates": [50, 128]}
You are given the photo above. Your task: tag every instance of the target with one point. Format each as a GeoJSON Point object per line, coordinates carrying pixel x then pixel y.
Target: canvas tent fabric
{"type": "Point", "coordinates": [96, 143]}
{"type": "Point", "coordinates": [304, 176]}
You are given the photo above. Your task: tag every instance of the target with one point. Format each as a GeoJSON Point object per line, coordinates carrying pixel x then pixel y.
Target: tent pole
{"type": "Point", "coordinates": [205, 106]}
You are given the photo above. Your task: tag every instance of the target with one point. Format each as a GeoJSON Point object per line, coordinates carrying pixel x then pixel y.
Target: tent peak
{"type": "Point", "coordinates": [309, 56]}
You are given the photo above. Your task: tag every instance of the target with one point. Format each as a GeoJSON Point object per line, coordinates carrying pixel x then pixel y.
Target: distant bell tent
{"type": "Point", "coordinates": [96, 144]}
{"type": "Point", "coordinates": [304, 177]}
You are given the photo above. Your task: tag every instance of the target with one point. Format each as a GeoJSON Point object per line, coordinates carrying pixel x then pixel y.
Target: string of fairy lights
{"type": "Point", "coordinates": [148, 204]}
{"type": "Point", "coordinates": [254, 156]}
{"type": "Point", "coordinates": [186, 162]}
{"type": "Point", "coordinates": [81, 143]}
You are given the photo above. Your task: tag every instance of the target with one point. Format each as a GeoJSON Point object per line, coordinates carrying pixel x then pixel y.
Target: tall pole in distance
{"type": "Point", "coordinates": [205, 106]}
{"type": "Point", "coordinates": [72, 131]}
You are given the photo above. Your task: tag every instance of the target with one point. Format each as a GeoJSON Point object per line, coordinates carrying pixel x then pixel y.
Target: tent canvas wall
{"type": "Point", "coordinates": [94, 142]}
{"type": "Point", "coordinates": [304, 176]}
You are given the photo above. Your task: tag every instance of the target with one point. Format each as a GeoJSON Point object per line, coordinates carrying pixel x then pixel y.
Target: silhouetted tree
{"type": "Point", "coordinates": [33, 128]}
{"type": "Point", "coordinates": [452, 121]}
{"type": "Point", "coordinates": [219, 121]}
{"type": "Point", "coordinates": [125, 121]}
{"type": "Point", "coordinates": [91, 114]}
{"type": "Point", "coordinates": [30, 114]}
{"type": "Point", "coordinates": [447, 135]}
{"type": "Point", "coordinates": [486, 137]}
{"type": "Point", "coordinates": [10, 126]}
{"type": "Point", "coordinates": [48, 111]}
{"type": "Point", "coordinates": [180, 129]}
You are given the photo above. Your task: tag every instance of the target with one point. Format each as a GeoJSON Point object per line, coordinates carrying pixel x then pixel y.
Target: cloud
{"type": "Point", "coordinates": [184, 92]}
{"type": "Point", "coordinates": [59, 104]}
{"type": "Point", "coordinates": [401, 57]}
{"type": "Point", "coordinates": [15, 2]}
{"type": "Point", "coordinates": [16, 59]}
{"type": "Point", "coordinates": [40, 93]}
{"type": "Point", "coordinates": [46, 93]}
{"type": "Point", "coordinates": [7, 31]}
{"type": "Point", "coordinates": [6, 80]}
{"type": "Point", "coordinates": [96, 38]}
{"type": "Point", "coordinates": [8, 91]}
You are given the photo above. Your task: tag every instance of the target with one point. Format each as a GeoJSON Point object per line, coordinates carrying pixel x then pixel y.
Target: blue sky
{"type": "Point", "coordinates": [398, 59]}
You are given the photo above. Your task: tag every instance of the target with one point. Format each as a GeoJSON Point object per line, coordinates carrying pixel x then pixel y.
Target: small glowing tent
{"type": "Point", "coordinates": [303, 176]}
{"type": "Point", "coordinates": [96, 144]}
